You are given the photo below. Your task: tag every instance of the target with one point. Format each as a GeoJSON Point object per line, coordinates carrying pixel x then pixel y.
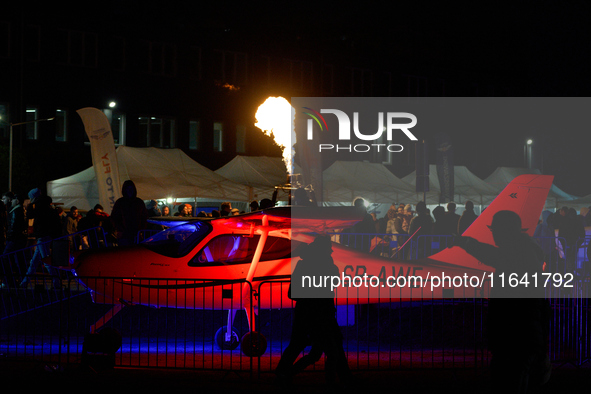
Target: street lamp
{"type": "Point", "coordinates": [527, 150]}
{"type": "Point", "coordinates": [10, 147]}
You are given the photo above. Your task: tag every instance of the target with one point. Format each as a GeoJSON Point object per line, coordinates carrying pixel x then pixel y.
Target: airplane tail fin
{"type": "Point", "coordinates": [525, 195]}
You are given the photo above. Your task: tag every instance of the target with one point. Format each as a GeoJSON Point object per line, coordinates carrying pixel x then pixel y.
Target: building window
{"type": "Point", "coordinates": [117, 121]}
{"type": "Point", "coordinates": [195, 63]}
{"type": "Point", "coordinates": [157, 132]}
{"type": "Point", "coordinates": [240, 139]}
{"type": "Point", "coordinates": [300, 74]}
{"type": "Point", "coordinates": [194, 134]}
{"type": "Point", "coordinates": [31, 128]}
{"type": "Point", "coordinates": [4, 121]}
{"type": "Point", "coordinates": [231, 67]}
{"type": "Point", "coordinates": [417, 86]}
{"type": "Point", "coordinates": [32, 48]}
{"type": "Point", "coordinates": [60, 125]}
{"type": "Point", "coordinates": [217, 137]}
{"type": "Point", "coordinates": [76, 48]}
{"type": "Point", "coordinates": [158, 58]}
{"type": "Point", "coordinates": [117, 50]}
{"type": "Point", "coordinates": [118, 128]}
{"type": "Point", "coordinates": [328, 79]}
{"type": "Point", "coordinates": [4, 39]}
{"type": "Point", "coordinates": [265, 69]}
{"type": "Point", "coordinates": [361, 82]}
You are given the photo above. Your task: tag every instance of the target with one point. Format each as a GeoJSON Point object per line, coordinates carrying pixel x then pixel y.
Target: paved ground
{"type": "Point", "coordinates": [33, 375]}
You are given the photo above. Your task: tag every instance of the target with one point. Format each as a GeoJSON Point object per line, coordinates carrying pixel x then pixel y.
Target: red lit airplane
{"type": "Point", "coordinates": [257, 247]}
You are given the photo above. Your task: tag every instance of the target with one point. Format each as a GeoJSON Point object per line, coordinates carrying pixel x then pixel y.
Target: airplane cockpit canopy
{"type": "Point", "coordinates": [178, 241]}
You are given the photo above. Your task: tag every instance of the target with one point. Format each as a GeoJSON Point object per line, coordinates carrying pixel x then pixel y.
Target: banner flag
{"type": "Point", "coordinates": [104, 158]}
{"type": "Point", "coordinates": [445, 168]}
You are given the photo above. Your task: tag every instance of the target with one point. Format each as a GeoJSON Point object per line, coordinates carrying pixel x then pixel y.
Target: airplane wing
{"type": "Point", "coordinates": [304, 219]}
{"type": "Point", "coordinates": [296, 218]}
{"type": "Point", "coordinates": [172, 221]}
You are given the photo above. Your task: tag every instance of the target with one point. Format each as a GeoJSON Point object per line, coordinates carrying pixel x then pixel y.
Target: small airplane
{"type": "Point", "coordinates": [261, 246]}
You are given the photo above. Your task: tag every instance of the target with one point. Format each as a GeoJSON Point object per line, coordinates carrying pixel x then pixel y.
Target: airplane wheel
{"type": "Point", "coordinates": [253, 344]}
{"type": "Point", "coordinates": [220, 339]}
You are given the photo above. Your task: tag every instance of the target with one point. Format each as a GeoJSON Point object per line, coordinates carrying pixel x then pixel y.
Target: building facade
{"type": "Point", "coordinates": [192, 80]}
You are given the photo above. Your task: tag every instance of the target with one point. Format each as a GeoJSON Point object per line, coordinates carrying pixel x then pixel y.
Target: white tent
{"type": "Point", "coordinates": [80, 190]}
{"type": "Point", "coordinates": [583, 202]}
{"type": "Point", "coordinates": [343, 181]}
{"type": "Point", "coordinates": [260, 173]}
{"type": "Point", "coordinates": [467, 186]}
{"type": "Point", "coordinates": [157, 174]}
{"type": "Point", "coordinates": [503, 175]}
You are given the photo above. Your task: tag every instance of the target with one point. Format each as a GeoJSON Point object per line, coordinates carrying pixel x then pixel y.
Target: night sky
{"type": "Point", "coordinates": [538, 49]}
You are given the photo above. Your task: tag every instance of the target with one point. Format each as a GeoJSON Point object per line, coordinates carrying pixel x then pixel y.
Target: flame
{"type": "Point", "coordinates": [275, 117]}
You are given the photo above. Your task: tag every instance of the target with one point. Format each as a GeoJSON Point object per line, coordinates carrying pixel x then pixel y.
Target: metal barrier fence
{"type": "Point", "coordinates": [186, 334]}
{"type": "Point", "coordinates": [392, 334]}
{"type": "Point", "coordinates": [53, 325]}
{"type": "Point", "coordinates": [18, 269]}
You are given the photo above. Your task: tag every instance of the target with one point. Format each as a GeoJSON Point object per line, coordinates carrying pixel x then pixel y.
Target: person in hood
{"type": "Point", "coordinates": [47, 225]}
{"type": "Point", "coordinates": [16, 234]}
{"type": "Point", "coordinates": [518, 316]}
{"type": "Point", "coordinates": [129, 215]}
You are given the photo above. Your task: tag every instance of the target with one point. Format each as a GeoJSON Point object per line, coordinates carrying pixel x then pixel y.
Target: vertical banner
{"type": "Point", "coordinates": [445, 168]}
{"type": "Point", "coordinates": [104, 158]}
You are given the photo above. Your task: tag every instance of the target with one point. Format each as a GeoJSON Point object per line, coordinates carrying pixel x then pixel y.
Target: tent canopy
{"type": "Point", "coordinates": [260, 173]}
{"type": "Point", "coordinates": [343, 181]}
{"type": "Point", "coordinates": [467, 186]}
{"type": "Point", "coordinates": [157, 174]}
{"type": "Point", "coordinates": [583, 202]}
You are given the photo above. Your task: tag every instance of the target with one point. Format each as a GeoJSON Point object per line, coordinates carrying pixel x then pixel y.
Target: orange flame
{"type": "Point", "coordinates": [275, 117]}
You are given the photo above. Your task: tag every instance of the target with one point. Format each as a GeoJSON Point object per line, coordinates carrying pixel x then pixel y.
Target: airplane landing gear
{"type": "Point", "coordinates": [226, 342]}
{"type": "Point", "coordinates": [253, 344]}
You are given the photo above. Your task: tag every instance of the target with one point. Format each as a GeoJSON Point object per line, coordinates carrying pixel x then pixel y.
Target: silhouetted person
{"type": "Point", "coordinates": [254, 206]}
{"type": "Point", "coordinates": [544, 236]}
{"type": "Point", "coordinates": [47, 225]}
{"type": "Point", "coordinates": [16, 226]}
{"type": "Point", "coordinates": [361, 238]}
{"type": "Point", "coordinates": [439, 215]}
{"type": "Point", "coordinates": [518, 317]}
{"type": "Point", "coordinates": [420, 227]}
{"type": "Point", "coordinates": [467, 218]}
{"type": "Point", "coordinates": [314, 317]}
{"type": "Point", "coordinates": [571, 231]}
{"type": "Point", "coordinates": [129, 215]}
{"type": "Point", "coordinates": [266, 203]}
{"type": "Point", "coordinates": [585, 216]}
{"type": "Point", "coordinates": [16, 237]}
{"type": "Point", "coordinates": [451, 220]}
{"type": "Point", "coordinates": [300, 197]}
